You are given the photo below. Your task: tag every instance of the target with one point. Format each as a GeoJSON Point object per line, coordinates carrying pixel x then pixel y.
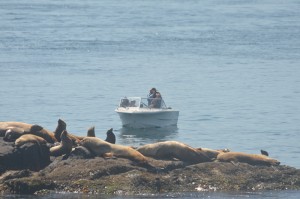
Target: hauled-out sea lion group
{"type": "Point", "coordinates": [62, 143]}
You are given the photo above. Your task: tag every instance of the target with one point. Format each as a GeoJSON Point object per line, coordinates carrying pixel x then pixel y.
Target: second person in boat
{"type": "Point", "coordinates": [156, 102]}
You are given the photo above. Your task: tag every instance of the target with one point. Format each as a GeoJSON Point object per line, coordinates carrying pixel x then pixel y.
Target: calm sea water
{"type": "Point", "coordinates": [232, 68]}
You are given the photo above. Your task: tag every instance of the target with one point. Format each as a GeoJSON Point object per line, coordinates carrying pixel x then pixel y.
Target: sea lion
{"type": "Point", "coordinates": [212, 153]}
{"type": "Point", "coordinates": [63, 126]}
{"type": "Point", "coordinates": [105, 149]}
{"type": "Point", "coordinates": [13, 133]}
{"type": "Point", "coordinates": [28, 129]}
{"type": "Point", "coordinates": [35, 128]}
{"type": "Point", "coordinates": [90, 133]}
{"type": "Point", "coordinates": [81, 152]}
{"type": "Point", "coordinates": [110, 136]}
{"type": "Point", "coordinates": [4, 126]}
{"type": "Point", "coordinates": [42, 132]}
{"type": "Point", "coordinates": [173, 149]}
{"type": "Point", "coordinates": [30, 138]}
{"type": "Point", "coordinates": [252, 159]}
{"type": "Point", "coordinates": [65, 146]}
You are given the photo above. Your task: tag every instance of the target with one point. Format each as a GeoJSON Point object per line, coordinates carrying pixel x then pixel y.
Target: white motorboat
{"type": "Point", "coordinates": [135, 112]}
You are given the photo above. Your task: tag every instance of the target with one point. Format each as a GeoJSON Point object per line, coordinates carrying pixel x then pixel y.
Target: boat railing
{"type": "Point", "coordinates": [140, 102]}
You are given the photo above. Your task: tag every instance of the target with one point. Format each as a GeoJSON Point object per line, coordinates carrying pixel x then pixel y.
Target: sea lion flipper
{"type": "Point", "coordinates": [61, 126]}
{"type": "Point", "coordinates": [109, 155]}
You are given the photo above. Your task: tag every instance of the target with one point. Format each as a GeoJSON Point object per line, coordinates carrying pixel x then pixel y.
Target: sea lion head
{"type": "Point", "coordinates": [275, 162]}
{"type": "Point", "coordinates": [81, 152]}
{"type": "Point", "coordinates": [35, 128]}
{"type": "Point", "coordinates": [65, 139]}
{"type": "Point", "coordinates": [212, 153]}
{"type": "Point", "coordinates": [13, 133]}
{"type": "Point", "coordinates": [110, 136]}
{"type": "Point", "coordinates": [65, 146]}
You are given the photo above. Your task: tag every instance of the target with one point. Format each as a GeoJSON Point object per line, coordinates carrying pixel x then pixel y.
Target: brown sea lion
{"type": "Point", "coordinates": [105, 149]}
{"type": "Point", "coordinates": [110, 136]}
{"type": "Point", "coordinates": [173, 149]}
{"type": "Point", "coordinates": [29, 138]}
{"type": "Point", "coordinates": [252, 159]}
{"type": "Point", "coordinates": [65, 146]}
{"type": "Point", "coordinates": [63, 126]}
{"type": "Point", "coordinates": [90, 133]}
{"type": "Point", "coordinates": [4, 126]}
{"type": "Point", "coordinates": [81, 152]}
{"type": "Point", "coordinates": [13, 133]}
{"type": "Point", "coordinates": [42, 132]}
{"type": "Point", "coordinates": [28, 129]}
{"type": "Point", "coordinates": [212, 153]}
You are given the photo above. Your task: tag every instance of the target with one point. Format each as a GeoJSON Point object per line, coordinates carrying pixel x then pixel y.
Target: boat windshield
{"type": "Point", "coordinates": [140, 102]}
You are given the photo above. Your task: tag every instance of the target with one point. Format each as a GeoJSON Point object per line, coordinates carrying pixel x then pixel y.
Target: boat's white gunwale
{"type": "Point", "coordinates": [144, 111]}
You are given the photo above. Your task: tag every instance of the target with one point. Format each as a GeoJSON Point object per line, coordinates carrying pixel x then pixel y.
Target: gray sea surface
{"type": "Point", "coordinates": [232, 69]}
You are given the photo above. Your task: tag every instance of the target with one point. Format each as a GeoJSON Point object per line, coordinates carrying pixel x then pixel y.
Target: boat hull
{"type": "Point", "coordinates": [149, 119]}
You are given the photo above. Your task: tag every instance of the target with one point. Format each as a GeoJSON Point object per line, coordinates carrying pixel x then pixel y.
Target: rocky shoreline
{"type": "Point", "coordinates": [124, 177]}
{"type": "Point", "coordinates": [31, 165]}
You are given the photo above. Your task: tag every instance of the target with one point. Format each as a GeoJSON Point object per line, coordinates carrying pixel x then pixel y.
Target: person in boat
{"type": "Point", "coordinates": [124, 102]}
{"type": "Point", "coordinates": [151, 95]}
{"type": "Point", "coordinates": [156, 102]}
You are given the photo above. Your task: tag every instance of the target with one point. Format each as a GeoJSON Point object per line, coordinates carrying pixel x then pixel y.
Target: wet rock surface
{"type": "Point", "coordinates": [29, 169]}
{"type": "Point", "coordinates": [121, 176]}
{"type": "Point", "coordinates": [28, 156]}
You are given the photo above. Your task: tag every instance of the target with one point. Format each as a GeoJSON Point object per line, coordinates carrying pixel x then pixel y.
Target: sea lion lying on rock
{"type": "Point", "coordinates": [4, 126]}
{"type": "Point", "coordinates": [80, 152]}
{"type": "Point", "coordinates": [212, 153]}
{"type": "Point", "coordinates": [65, 146]}
{"type": "Point", "coordinates": [105, 149]}
{"type": "Point", "coordinates": [173, 149]}
{"type": "Point", "coordinates": [42, 132]}
{"type": "Point", "coordinates": [13, 130]}
{"type": "Point", "coordinates": [30, 138]}
{"type": "Point", "coordinates": [13, 133]}
{"type": "Point", "coordinates": [252, 159]}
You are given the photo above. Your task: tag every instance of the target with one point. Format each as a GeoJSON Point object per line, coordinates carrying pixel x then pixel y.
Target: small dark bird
{"type": "Point", "coordinates": [264, 153]}
{"type": "Point", "coordinates": [110, 136]}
